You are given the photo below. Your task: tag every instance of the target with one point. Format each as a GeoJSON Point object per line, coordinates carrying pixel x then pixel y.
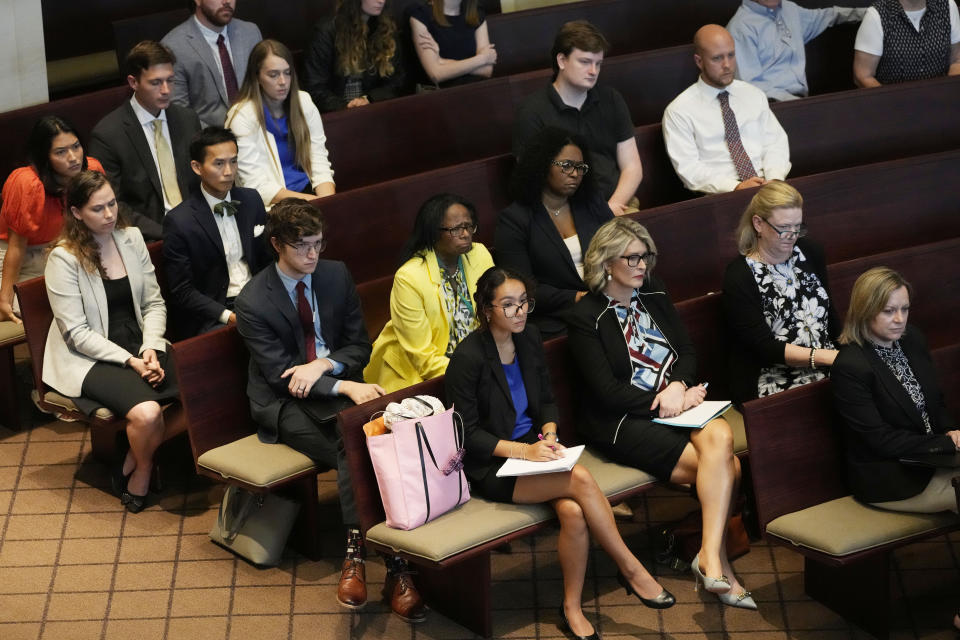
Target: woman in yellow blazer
{"type": "Point", "coordinates": [431, 303]}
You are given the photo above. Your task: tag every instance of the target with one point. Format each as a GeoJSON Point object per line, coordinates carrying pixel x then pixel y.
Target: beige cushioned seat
{"type": "Point", "coordinates": [11, 333]}
{"type": "Point", "coordinates": [471, 524]}
{"type": "Point", "coordinates": [65, 403]}
{"type": "Point", "coordinates": [479, 520]}
{"type": "Point", "coordinates": [254, 462]}
{"type": "Point", "coordinates": [613, 478]}
{"type": "Point", "coordinates": [844, 526]}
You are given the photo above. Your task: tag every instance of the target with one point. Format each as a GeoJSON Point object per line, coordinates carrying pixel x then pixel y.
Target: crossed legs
{"type": "Point", "coordinates": [583, 509]}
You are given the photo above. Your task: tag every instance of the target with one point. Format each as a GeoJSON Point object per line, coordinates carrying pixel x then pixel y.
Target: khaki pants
{"type": "Point", "coordinates": [937, 496]}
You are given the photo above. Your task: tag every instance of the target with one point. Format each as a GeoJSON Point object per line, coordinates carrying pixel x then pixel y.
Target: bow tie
{"type": "Point", "coordinates": [227, 207]}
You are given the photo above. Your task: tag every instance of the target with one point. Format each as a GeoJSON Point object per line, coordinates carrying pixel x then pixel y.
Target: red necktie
{"type": "Point", "coordinates": [731, 132]}
{"type": "Point", "coordinates": [306, 321]}
{"type": "Point", "coordinates": [229, 75]}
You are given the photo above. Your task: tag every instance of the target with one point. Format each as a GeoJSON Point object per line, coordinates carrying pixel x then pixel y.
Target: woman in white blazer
{"type": "Point", "coordinates": [282, 146]}
{"type": "Point", "coordinates": [105, 347]}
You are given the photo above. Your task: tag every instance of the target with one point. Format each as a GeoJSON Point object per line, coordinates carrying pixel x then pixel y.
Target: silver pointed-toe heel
{"type": "Point", "coordinates": [742, 600]}
{"type": "Point", "coordinates": [713, 585]}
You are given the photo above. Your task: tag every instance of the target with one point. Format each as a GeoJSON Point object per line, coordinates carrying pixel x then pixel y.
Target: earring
{"type": "Point", "coordinates": [609, 276]}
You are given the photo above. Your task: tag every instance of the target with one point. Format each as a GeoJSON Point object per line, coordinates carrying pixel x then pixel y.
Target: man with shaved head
{"type": "Point", "coordinates": [720, 133]}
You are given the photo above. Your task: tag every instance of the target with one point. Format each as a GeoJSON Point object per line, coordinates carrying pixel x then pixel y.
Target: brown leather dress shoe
{"type": "Point", "coordinates": [405, 600]}
{"type": "Point", "coordinates": [352, 590]}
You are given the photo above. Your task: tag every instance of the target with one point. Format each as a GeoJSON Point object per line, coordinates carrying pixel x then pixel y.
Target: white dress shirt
{"type": "Point", "coordinates": [694, 136]}
{"type": "Point", "coordinates": [237, 267]}
{"type": "Point", "coordinates": [211, 37]}
{"type": "Point", "coordinates": [146, 121]}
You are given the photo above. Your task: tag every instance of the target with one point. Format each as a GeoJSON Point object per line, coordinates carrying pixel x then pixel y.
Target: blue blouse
{"type": "Point", "coordinates": [518, 391]}
{"type": "Point", "coordinates": [293, 176]}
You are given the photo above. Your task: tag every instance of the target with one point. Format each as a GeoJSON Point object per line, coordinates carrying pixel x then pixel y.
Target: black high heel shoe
{"type": "Point", "coordinates": [133, 502]}
{"type": "Point", "coordinates": [663, 601]}
{"type": "Point", "coordinates": [566, 627]}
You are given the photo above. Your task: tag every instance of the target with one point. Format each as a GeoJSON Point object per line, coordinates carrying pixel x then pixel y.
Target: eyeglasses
{"type": "Point", "coordinates": [512, 309]}
{"type": "Point", "coordinates": [634, 259]}
{"type": "Point", "coordinates": [460, 230]}
{"type": "Point", "coordinates": [569, 167]}
{"type": "Point", "coordinates": [303, 248]}
{"type": "Point", "coordinates": [798, 231]}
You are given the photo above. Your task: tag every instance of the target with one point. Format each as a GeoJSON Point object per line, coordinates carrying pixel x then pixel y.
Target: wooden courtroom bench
{"type": "Point", "coordinates": [852, 212]}
{"type": "Point", "coordinates": [452, 553]}
{"type": "Point", "coordinates": [804, 504]}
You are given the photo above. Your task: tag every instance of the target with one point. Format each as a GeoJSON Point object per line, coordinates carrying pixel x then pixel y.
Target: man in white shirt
{"type": "Point", "coordinates": [720, 133]}
{"type": "Point", "coordinates": [212, 50]}
{"type": "Point", "coordinates": [211, 243]}
{"type": "Point", "coordinates": [143, 143]}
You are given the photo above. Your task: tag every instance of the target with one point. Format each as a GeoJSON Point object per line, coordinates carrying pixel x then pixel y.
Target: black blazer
{"type": "Point", "coordinates": [603, 364]}
{"type": "Point", "coordinates": [268, 323]}
{"type": "Point", "coordinates": [752, 345]}
{"type": "Point", "coordinates": [120, 144]}
{"type": "Point", "coordinates": [325, 84]}
{"type": "Point", "coordinates": [477, 387]}
{"type": "Point", "coordinates": [526, 240]}
{"type": "Point", "coordinates": [194, 262]}
{"type": "Point", "coordinates": [881, 423]}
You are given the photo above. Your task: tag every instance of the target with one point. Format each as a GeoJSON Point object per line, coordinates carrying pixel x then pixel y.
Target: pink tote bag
{"type": "Point", "coordinates": [419, 468]}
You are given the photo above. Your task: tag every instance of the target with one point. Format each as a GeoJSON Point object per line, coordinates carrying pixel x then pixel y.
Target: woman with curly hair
{"type": "Point", "coordinates": [354, 58]}
{"type": "Point", "coordinates": [106, 347]}
{"type": "Point", "coordinates": [280, 139]}
{"type": "Point", "coordinates": [546, 231]}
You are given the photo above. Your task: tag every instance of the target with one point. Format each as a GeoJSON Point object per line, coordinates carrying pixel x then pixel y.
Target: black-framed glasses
{"type": "Point", "coordinates": [303, 248]}
{"type": "Point", "coordinates": [568, 167]}
{"type": "Point", "coordinates": [460, 230]}
{"type": "Point", "coordinates": [511, 309]}
{"type": "Point", "coordinates": [798, 231]}
{"type": "Point", "coordinates": [634, 259]}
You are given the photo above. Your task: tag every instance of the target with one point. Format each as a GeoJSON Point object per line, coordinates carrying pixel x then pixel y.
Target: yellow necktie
{"type": "Point", "coordinates": [168, 170]}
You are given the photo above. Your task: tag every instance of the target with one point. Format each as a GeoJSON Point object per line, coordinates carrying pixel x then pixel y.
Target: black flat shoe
{"type": "Point", "coordinates": [566, 627]}
{"type": "Point", "coordinates": [663, 601]}
{"type": "Point", "coordinates": [133, 502]}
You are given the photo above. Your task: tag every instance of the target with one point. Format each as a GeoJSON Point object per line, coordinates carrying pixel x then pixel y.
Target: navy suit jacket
{"type": "Point", "coordinates": [120, 144]}
{"type": "Point", "coordinates": [195, 263]}
{"type": "Point", "coordinates": [268, 323]}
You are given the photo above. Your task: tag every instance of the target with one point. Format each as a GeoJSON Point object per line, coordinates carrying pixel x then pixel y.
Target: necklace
{"type": "Point", "coordinates": [556, 214]}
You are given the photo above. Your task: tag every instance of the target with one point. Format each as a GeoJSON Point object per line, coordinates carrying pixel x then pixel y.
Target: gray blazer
{"type": "Point", "coordinates": [78, 334]}
{"type": "Point", "coordinates": [198, 82]}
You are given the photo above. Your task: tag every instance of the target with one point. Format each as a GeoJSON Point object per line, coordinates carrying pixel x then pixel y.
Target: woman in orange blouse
{"type": "Point", "coordinates": [32, 212]}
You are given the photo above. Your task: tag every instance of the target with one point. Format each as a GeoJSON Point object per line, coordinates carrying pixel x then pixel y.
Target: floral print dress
{"type": "Point", "coordinates": [795, 305]}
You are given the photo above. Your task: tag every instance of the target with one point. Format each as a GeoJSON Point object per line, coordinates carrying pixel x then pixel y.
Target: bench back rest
{"type": "Point", "coordinates": [36, 315]}
{"type": "Point", "coordinates": [851, 212]}
{"type": "Point", "coordinates": [796, 458]}
{"type": "Point", "coordinates": [931, 271]}
{"type": "Point", "coordinates": [212, 374]}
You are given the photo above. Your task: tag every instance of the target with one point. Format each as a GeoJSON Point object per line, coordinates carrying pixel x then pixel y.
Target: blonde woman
{"type": "Point", "coordinates": [638, 363]}
{"type": "Point", "coordinates": [777, 300]}
{"type": "Point", "coordinates": [281, 143]}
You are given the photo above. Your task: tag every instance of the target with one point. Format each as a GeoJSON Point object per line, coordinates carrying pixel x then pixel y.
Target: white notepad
{"type": "Point", "coordinates": [515, 467]}
{"type": "Point", "coordinates": [698, 416]}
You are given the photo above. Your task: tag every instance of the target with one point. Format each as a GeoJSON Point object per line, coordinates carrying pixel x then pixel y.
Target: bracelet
{"type": "Point", "coordinates": [813, 355]}
{"type": "Point", "coordinates": [523, 451]}
{"type": "Point", "coordinates": [552, 433]}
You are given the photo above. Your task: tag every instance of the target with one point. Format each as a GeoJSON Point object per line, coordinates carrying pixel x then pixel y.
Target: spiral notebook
{"type": "Point", "coordinates": [515, 467]}
{"type": "Point", "coordinates": [698, 416]}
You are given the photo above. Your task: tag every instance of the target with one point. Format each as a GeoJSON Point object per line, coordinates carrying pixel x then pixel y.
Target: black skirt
{"type": "Point", "coordinates": [500, 489]}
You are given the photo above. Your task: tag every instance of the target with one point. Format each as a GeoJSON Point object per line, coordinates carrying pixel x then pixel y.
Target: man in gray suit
{"type": "Point", "coordinates": [212, 51]}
